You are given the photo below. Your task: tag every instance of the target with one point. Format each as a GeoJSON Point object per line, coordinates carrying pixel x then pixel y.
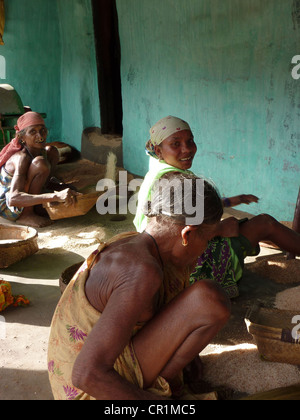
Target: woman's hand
{"type": "Point", "coordinates": [248, 198]}
{"type": "Point", "coordinates": [67, 196]}
{"type": "Point", "coordinates": [240, 199]}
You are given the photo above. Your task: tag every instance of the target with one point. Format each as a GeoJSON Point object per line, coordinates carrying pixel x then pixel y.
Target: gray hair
{"type": "Point", "coordinates": [184, 199]}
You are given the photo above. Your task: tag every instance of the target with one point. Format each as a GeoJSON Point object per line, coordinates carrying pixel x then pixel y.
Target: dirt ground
{"type": "Point", "coordinates": [23, 352]}
{"type": "Point", "coordinates": [232, 364]}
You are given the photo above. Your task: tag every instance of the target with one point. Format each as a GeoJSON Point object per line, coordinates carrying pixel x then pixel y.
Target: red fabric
{"type": "Point", "coordinates": [10, 149]}
{"type": "Point", "coordinates": [26, 120]}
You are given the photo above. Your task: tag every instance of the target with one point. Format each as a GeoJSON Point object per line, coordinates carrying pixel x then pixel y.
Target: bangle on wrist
{"type": "Point", "coordinates": [226, 202]}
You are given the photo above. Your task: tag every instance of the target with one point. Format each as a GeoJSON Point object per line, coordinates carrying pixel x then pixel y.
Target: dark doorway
{"type": "Point", "coordinates": [108, 62]}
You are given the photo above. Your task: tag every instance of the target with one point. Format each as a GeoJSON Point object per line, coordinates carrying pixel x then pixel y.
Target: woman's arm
{"type": "Point", "coordinates": [239, 199]}
{"type": "Point", "coordinates": [18, 196]}
{"type": "Point", "coordinates": [93, 370]}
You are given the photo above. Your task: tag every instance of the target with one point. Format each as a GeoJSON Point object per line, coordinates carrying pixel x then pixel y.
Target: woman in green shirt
{"type": "Point", "coordinates": [172, 149]}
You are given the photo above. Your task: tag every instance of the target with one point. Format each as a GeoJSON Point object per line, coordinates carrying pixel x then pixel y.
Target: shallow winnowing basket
{"type": "Point", "coordinates": [16, 243]}
{"type": "Point", "coordinates": [84, 203]}
{"type": "Point", "coordinates": [273, 331]}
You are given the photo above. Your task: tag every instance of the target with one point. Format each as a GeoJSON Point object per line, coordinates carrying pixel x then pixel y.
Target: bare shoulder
{"type": "Point", "coordinates": [129, 270]}
{"type": "Point", "coordinates": [19, 162]}
{"type": "Point", "coordinates": [135, 260]}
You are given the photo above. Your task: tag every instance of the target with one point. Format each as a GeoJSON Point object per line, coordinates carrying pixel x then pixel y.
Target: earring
{"type": "Point", "coordinates": [184, 243]}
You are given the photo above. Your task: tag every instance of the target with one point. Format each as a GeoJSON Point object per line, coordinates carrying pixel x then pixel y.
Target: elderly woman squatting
{"type": "Point", "coordinates": [129, 322]}
{"type": "Point", "coordinates": [26, 164]}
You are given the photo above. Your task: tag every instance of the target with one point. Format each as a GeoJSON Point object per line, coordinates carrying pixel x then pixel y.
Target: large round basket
{"type": "Point", "coordinates": [67, 275]}
{"type": "Point", "coordinates": [16, 243]}
{"type": "Point", "coordinates": [275, 333]}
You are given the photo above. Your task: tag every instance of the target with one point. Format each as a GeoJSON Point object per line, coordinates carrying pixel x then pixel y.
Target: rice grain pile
{"type": "Point", "coordinates": [84, 174]}
{"type": "Point", "coordinates": [241, 369]}
{"type": "Point", "coordinates": [289, 300]}
{"type": "Point", "coordinates": [277, 268]}
{"type": "Point", "coordinates": [71, 239]}
{"type": "Point", "coordinates": [80, 174]}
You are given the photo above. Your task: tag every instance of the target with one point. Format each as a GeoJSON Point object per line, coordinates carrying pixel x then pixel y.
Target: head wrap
{"type": "Point", "coordinates": [162, 130]}
{"type": "Point", "coordinates": [26, 120]}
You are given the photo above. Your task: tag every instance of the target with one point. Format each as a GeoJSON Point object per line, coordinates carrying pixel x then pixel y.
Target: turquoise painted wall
{"type": "Point", "coordinates": [50, 60]}
{"type": "Point", "coordinates": [32, 55]}
{"type": "Point", "coordinates": [225, 67]}
{"type": "Point", "coordinates": [78, 80]}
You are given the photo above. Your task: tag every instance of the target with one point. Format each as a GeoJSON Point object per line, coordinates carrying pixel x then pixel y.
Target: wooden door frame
{"type": "Point", "coordinates": [108, 53]}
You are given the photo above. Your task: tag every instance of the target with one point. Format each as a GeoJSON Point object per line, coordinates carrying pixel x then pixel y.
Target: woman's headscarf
{"type": "Point", "coordinates": [26, 120]}
{"type": "Point", "coordinates": [162, 130]}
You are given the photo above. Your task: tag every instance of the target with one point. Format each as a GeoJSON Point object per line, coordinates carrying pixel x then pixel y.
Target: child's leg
{"type": "Point", "coordinates": [266, 228]}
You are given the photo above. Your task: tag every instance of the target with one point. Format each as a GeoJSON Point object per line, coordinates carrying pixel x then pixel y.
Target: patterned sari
{"type": "Point", "coordinates": [6, 211]}
{"type": "Point", "coordinates": [74, 319]}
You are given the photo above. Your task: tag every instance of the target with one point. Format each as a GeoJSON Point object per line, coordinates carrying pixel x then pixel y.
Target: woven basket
{"type": "Point", "coordinates": [272, 332]}
{"type": "Point", "coordinates": [16, 243]}
{"type": "Point", "coordinates": [84, 203]}
{"type": "Point", "coordinates": [67, 275]}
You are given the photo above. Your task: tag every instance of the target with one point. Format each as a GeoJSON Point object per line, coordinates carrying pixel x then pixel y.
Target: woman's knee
{"type": "Point", "coordinates": [52, 154]}
{"type": "Point", "coordinates": [38, 173]}
{"type": "Point", "coordinates": [211, 301]}
{"type": "Point", "coordinates": [265, 221]}
{"type": "Point", "coordinates": [265, 218]}
{"type": "Point", "coordinates": [259, 228]}
{"type": "Point", "coordinates": [39, 166]}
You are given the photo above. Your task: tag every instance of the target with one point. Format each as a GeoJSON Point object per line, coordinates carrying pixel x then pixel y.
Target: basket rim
{"type": "Point", "coordinates": [253, 326]}
{"type": "Point", "coordinates": [258, 329]}
{"type": "Point", "coordinates": [255, 309]}
{"type": "Point", "coordinates": [33, 234]}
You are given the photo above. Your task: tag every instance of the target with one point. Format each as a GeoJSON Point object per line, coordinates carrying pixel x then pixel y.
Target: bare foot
{"type": "Point", "coordinates": [34, 221]}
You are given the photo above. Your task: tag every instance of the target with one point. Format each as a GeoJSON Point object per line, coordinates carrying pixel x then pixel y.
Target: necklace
{"type": "Point", "coordinates": [161, 261]}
